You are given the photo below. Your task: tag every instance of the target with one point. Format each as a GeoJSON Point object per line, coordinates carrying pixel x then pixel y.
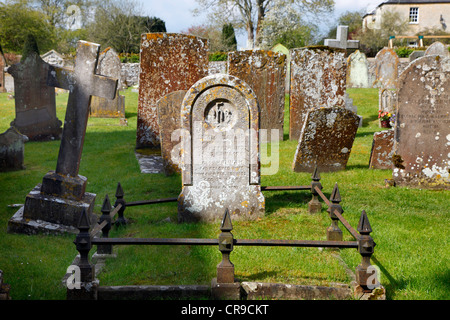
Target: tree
{"type": "Point", "coordinates": [250, 14]}
{"type": "Point", "coordinates": [284, 24]}
{"type": "Point", "coordinates": [118, 24]}
{"type": "Point", "coordinates": [229, 37]}
{"type": "Point", "coordinates": [18, 20]}
{"type": "Point", "coordinates": [373, 40]}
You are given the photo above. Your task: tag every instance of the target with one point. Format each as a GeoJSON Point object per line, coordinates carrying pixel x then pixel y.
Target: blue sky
{"type": "Point", "coordinates": [178, 13]}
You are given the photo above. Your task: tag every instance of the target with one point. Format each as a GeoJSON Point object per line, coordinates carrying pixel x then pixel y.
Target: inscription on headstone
{"type": "Point", "coordinates": [220, 158]}
{"type": "Point", "coordinates": [318, 79]}
{"type": "Point", "coordinates": [169, 62]}
{"type": "Point", "coordinates": [422, 132]}
{"type": "Point", "coordinates": [326, 140]}
{"type": "Point", "coordinates": [265, 72]}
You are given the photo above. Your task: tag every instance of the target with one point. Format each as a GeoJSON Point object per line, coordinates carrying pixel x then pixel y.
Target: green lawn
{"type": "Point", "coordinates": [410, 226]}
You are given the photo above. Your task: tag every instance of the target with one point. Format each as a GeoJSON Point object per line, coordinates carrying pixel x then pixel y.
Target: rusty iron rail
{"type": "Point", "coordinates": [236, 242]}
{"type": "Point", "coordinates": [324, 198]}
{"type": "Point", "coordinates": [347, 225]}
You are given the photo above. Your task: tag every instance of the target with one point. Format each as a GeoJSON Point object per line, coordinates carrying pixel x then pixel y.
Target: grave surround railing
{"type": "Point", "coordinates": [225, 281]}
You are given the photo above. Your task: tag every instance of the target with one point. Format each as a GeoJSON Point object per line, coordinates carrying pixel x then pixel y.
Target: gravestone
{"type": "Point", "coordinates": [438, 48]}
{"type": "Point", "coordinates": [326, 140]}
{"type": "Point", "coordinates": [169, 62]}
{"type": "Point", "coordinates": [265, 72]}
{"type": "Point", "coordinates": [12, 150]}
{"type": "Point", "coordinates": [2, 71]}
{"type": "Point", "coordinates": [388, 100]}
{"type": "Point", "coordinates": [108, 65]}
{"type": "Point", "coordinates": [357, 70]}
{"type": "Point", "coordinates": [386, 69]}
{"type": "Point", "coordinates": [34, 100]}
{"type": "Point", "coordinates": [318, 79]}
{"type": "Point", "coordinates": [217, 67]}
{"type": "Point", "coordinates": [416, 54]}
{"type": "Point", "coordinates": [54, 58]}
{"type": "Point", "coordinates": [57, 204]}
{"type": "Point", "coordinates": [169, 108]}
{"type": "Point", "coordinates": [341, 40]}
{"type": "Point", "coordinates": [381, 153]}
{"type": "Point", "coordinates": [422, 132]}
{"type": "Point", "coordinates": [220, 151]}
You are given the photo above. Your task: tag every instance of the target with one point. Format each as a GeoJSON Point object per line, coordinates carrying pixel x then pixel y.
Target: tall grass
{"type": "Point", "coordinates": [410, 226]}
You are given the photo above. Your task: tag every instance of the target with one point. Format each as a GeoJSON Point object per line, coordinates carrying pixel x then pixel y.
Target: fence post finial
{"type": "Point", "coordinates": [314, 206]}
{"type": "Point", "coordinates": [366, 275]}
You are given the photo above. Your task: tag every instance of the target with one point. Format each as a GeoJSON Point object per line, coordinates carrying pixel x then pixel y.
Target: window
{"type": "Point", "coordinates": [413, 15]}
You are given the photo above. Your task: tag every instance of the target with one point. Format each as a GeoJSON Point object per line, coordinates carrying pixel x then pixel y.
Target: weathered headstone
{"type": "Point", "coordinates": [265, 72]}
{"type": "Point", "coordinates": [388, 100]}
{"type": "Point", "coordinates": [382, 150]}
{"type": "Point", "coordinates": [220, 151]}
{"type": "Point", "coordinates": [108, 65]}
{"type": "Point", "coordinates": [61, 198]}
{"type": "Point", "coordinates": [341, 40]}
{"type": "Point", "coordinates": [386, 69]}
{"type": "Point", "coordinates": [169, 62]}
{"type": "Point", "coordinates": [357, 70]}
{"type": "Point", "coordinates": [422, 132]}
{"type": "Point", "coordinates": [438, 48]}
{"type": "Point", "coordinates": [54, 58]}
{"type": "Point", "coordinates": [169, 108]}
{"type": "Point", "coordinates": [34, 99]}
{"type": "Point", "coordinates": [326, 140]}
{"type": "Point", "coordinates": [318, 79]}
{"type": "Point", "coordinates": [416, 54]}
{"type": "Point", "coordinates": [12, 150]}
{"type": "Point", "coordinates": [217, 67]}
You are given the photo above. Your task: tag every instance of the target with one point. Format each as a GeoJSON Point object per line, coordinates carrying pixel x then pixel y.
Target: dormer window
{"type": "Point", "coordinates": [414, 15]}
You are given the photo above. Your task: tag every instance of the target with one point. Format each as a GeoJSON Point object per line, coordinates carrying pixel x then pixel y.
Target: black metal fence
{"type": "Point", "coordinates": [87, 238]}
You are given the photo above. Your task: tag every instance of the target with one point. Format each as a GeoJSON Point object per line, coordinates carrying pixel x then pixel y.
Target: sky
{"type": "Point", "coordinates": [178, 13]}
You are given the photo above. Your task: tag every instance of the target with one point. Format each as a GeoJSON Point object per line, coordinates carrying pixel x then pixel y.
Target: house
{"type": "Point", "coordinates": [421, 14]}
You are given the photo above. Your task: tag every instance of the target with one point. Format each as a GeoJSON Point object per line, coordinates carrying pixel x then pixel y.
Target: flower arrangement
{"type": "Point", "coordinates": [384, 115]}
{"type": "Point", "coordinates": [392, 121]}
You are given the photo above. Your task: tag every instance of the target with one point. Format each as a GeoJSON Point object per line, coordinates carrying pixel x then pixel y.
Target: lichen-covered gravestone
{"type": "Point", "coordinates": [220, 151]}
{"type": "Point", "coordinates": [386, 69]}
{"type": "Point", "coordinates": [34, 99]}
{"type": "Point", "coordinates": [56, 205]}
{"type": "Point", "coordinates": [357, 70]}
{"type": "Point", "coordinates": [326, 140]}
{"type": "Point", "coordinates": [381, 154]}
{"type": "Point", "coordinates": [438, 48]}
{"type": "Point", "coordinates": [169, 108]}
{"type": "Point", "coordinates": [108, 65]}
{"type": "Point", "coordinates": [265, 72]}
{"type": "Point", "coordinates": [169, 62]}
{"type": "Point", "coordinates": [12, 150]}
{"type": "Point", "coordinates": [422, 132]}
{"type": "Point", "coordinates": [318, 79]}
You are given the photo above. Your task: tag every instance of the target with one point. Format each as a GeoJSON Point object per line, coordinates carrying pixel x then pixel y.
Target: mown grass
{"type": "Point", "coordinates": [410, 226]}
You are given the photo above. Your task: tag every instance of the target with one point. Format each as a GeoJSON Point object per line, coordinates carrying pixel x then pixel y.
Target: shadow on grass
{"type": "Point", "coordinates": [369, 119]}
{"type": "Point", "coordinates": [260, 275]}
{"type": "Point", "coordinates": [288, 199]}
{"type": "Point", "coordinates": [394, 284]}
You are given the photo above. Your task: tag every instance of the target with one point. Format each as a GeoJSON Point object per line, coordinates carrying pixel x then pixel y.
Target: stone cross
{"type": "Point", "coordinates": [82, 83]}
{"type": "Point", "coordinates": [341, 40]}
